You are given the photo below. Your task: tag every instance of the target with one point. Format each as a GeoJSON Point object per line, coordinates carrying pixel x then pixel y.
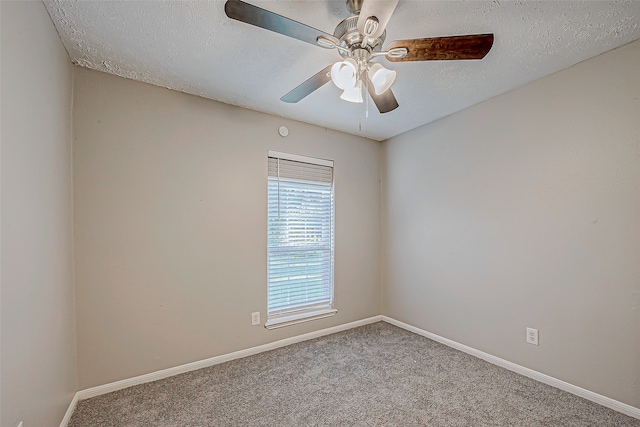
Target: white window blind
{"type": "Point", "coordinates": [300, 239]}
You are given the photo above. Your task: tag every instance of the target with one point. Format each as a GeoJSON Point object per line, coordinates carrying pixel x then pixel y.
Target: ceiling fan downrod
{"type": "Point", "coordinates": [354, 6]}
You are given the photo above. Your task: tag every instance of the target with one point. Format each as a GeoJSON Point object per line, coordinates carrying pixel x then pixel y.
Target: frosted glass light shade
{"type": "Point", "coordinates": [381, 78]}
{"type": "Point", "coordinates": [344, 73]}
{"type": "Point", "coordinates": [353, 94]}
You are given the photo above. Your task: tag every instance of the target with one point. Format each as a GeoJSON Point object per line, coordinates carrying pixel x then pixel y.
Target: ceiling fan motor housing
{"type": "Point", "coordinates": [350, 38]}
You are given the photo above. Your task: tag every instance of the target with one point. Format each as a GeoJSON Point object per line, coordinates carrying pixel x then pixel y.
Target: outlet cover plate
{"type": "Point", "coordinates": [255, 318]}
{"type": "Point", "coordinates": [532, 336]}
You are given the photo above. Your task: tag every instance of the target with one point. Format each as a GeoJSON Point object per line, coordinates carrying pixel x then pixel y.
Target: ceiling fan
{"type": "Point", "coordinates": [359, 40]}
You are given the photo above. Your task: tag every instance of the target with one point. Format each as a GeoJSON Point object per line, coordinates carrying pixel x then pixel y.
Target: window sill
{"type": "Point", "coordinates": [299, 318]}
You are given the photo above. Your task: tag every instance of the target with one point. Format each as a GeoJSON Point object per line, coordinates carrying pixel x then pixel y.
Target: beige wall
{"type": "Point", "coordinates": [524, 211]}
{"type": "Point", "coordinates": [170, 225]}
{"type": "Point", "coordinates": [521, 211]}
{"type": "Point", "coordinates": [38, 331]}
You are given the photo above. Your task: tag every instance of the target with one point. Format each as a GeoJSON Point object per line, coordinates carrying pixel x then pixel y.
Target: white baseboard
{"type": "Point", "coordinates": [629, 410]}
{"type": "Point", "coordinates": [72, 407]}
{"type": "Point", "coordinates": [165, 373]}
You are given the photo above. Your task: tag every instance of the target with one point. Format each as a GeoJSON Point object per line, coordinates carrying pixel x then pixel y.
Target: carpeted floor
{"type": "Point", "coordinates": [375, 375]}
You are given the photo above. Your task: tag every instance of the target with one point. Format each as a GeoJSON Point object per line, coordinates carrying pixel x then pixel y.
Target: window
{"type": "Point", "coordinates": [299, 239]}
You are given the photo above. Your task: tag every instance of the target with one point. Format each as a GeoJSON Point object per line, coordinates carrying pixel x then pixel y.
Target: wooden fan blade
{"type": "Point", "coordinates": [254, 15]}
{"type": "Point", "coordinates": [385, 102]}
{"type": "Point", "coordinates": [473, 46]}
{"type": "Point", "coordinates": [381, 9]}
{"type": "Point", "coordinates": [315, 82]}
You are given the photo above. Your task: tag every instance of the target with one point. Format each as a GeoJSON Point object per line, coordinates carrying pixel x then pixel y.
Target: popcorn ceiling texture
{"type": "Point", "coordinates": [376, 375]}
{"type": "Point", "coordinates": [191, 46]}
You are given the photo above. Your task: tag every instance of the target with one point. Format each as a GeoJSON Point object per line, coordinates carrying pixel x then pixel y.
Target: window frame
{"type": "Point", "coordinates": [299, 314]}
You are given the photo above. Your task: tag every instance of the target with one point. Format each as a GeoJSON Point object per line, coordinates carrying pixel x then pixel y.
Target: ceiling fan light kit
{"type": "Point", "coordinates": [345, 73]}
{"type": "Point", "coordinates": [359, 40]}
{"type": "Point", "coordinates": [381, 78]}
{"type": "Point", "coordinates": [353, 94]}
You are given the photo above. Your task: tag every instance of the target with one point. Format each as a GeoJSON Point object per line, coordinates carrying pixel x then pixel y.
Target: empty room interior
{"type": "Point", "coordinates": [202, 226]}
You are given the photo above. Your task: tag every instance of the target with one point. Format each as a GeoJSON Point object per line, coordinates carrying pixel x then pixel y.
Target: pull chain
{"type": "Point", "coordinates": [360, 108]}
{"type": "Point", "coordinates": [278, 187]}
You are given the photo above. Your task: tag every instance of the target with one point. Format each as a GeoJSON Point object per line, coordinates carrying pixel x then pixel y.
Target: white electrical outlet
{"type": "Point", "coordinates": [255, 318]}
{"type": "Point", "coordinates": [532, 336]}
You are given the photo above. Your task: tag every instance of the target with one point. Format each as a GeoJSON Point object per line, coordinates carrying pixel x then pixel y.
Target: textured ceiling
{"type": "Point", "coordinates": [191, 46]}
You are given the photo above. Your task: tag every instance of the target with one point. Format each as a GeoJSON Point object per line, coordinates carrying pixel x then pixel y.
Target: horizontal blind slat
{"type": "Point", "coordinates": [297, 170]}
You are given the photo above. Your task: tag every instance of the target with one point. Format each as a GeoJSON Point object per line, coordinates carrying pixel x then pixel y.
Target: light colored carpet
{"type": "Point", "coordinates": [375, 375]}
